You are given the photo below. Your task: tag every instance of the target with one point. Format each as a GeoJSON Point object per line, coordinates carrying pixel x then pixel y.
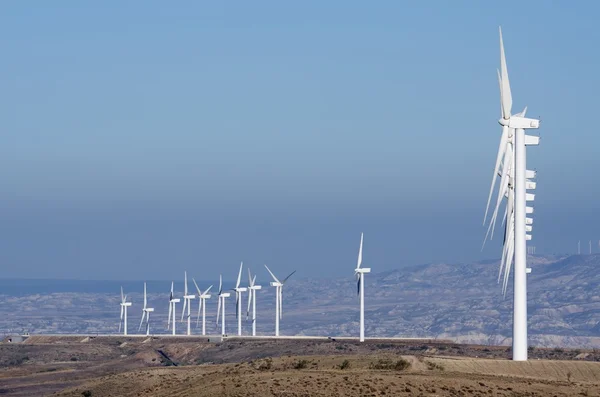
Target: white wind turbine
{"type": "Point", "coordinates": [146, 313]}
{"type": "Point", "coordinates": [515, 180]}
{"type": "Point", "coordinates": [221, 305]}
{"type": "Point", "coordinates": [278, 297]}
{"type": "Point", "coordinates": [360, 278]}
{"type": "Point", "coordinates": [202, 297]}
{"type": "Point", "coordinates": [172, 306]}
{"type": "Point", "coordinates": [252, 288]}
{"type": "Point", "coordinates": [124, 306]}
{"type": "Point", "coordinates": [187, 302]}
{"type": "Point", "coordinates": [238, 300]}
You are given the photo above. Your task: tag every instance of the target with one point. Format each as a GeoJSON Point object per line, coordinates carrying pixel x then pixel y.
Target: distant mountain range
{"type": "Point", "coordinates": [457, 301]}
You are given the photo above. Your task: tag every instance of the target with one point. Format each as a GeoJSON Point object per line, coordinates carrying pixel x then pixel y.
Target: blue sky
{"type": "Point", "coordinates": [140, 139]}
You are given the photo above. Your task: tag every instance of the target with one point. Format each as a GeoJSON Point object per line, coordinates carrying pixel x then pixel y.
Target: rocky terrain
{"type": "Point", "coordinates": [159, 366]}
{"type": "Point", "coordinates": [458, 301]}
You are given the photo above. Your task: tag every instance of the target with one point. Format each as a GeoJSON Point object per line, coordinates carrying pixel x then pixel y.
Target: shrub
{"type": "Point", "coordinates": [386, 363]}
{"type": "Point", "coordinates": [86, 393]}
{"type": "Point", "coordinates": [431, 366]}
{"type": "Point", "coordinates": [345, 364]}
{"type": "Point", "coordinates": [300, 364]}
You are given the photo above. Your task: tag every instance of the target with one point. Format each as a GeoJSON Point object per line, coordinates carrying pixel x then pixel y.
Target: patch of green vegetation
{"type": "Point", "coordinates": [345, 364]}
{"type": "Point", "coordinates": [300, 364]}
{"type": "Point", "coordinates": [386, 363]}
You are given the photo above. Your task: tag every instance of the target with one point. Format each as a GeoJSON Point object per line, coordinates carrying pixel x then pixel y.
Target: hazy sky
{"type": "Point", "coordinates": [138, 139]}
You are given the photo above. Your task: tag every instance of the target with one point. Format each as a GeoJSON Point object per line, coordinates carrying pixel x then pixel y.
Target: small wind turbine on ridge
{"type": "Point", "coordinates": [221, 305]}
{"type": "Point", "coordinates": [146, 313]}
{"type": "Point", "coordinates": [202, 297]}
{"type": "Point", "coordinates": [252, 288]}
{"type": "Point", "coordinates": [238, 300]}
{"type": "Point", "coordinates": [187, 302]}
{"type": "Point", "coordinates": [124, 306]}
{"type": "Point", "coordinates": [359, 272]}
{"type": "Point", "coordinates": [172, 306]}
{"type": "Point", "coordinates": [278, 297]}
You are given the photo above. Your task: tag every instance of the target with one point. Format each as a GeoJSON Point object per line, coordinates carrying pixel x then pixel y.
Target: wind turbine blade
{"type": "Point", "coordinates": [170, 313]}
{"type": "Point", "coordinates": [254, 280]}
{"type": "Point", "coordinates": [504, 179]}
{"type": "Point", "coordinates": [142, 322]}
{"type": "Point", "coordinates": [171, 296]}
{"type": "Point", "coordinates": [272, 275]}
{"type": "Point", "coordinates": [360, 252]}
{"type": "Point", "coordinates": [280, 303]}
{"type": "Point", "coordinates": [184, 305]}
{"type": "Point", "coordinates": [200, 300]}
{"type": "Point", "coordinates": [237, 303]}
{"type": "Point", "coordinates": [239, 279]}
{"type": "Point", "coordinates": [286, 279]}
{"type": "Point", "coordinates": [358, 285]}
{"type": "Point", "coordinates": [122, 296]}
{"type": "Point", "coordinates": [501, 150]}
{"type": "Point", "coordinates": [185, 290]}
{"type": "Point", "coordinates": [250, 296]}
{"type": "Point", "coordinates": [220, 284]}
{"type": "Point", "coordinates": [197, 288]}
{"type": "Point", "coordinates": [207, 290]}
{"type": "Point", "coordinates": [219, 310]}
{"type": "Point", "coordinates": [250, 282]}
{"type": "Point", "coordinates": [506, 94]}
{"type": "Point", "coordinates": [145, 298]}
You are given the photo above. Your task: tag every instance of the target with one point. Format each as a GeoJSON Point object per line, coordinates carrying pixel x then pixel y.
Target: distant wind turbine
{"type": "Point", "coordinates": [202, 297]}
{"type": "Point", "coordinates": [278, 297]}
{"type": "Point", "coordinates": [172, 306]}
{"type": "Point", "coordinates": [252, 288]}
{"type": "Point", "coordinates": [187, 302]}
{"type": "Point", "coordinates": [238, 300]}
{"type": "Point", "coordinates": [359, 272]}
{"type": "Point", "coordinates": [124, 306]}
{"type": "Point", "coordinates": [221, 305]}
{"type": "Point", "coordinates": [146, 313]}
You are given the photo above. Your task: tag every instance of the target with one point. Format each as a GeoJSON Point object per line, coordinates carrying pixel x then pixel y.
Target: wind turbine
{"type": "Point", "coordinates": [359, 272]}
{"type": "Point", "coordinates": [252, 288]}
{"type": "Point", "coordinates": [124, 306]}
{"type": "Point", "coordinates": [187, 302]}
{"type": "Point", "coordinates": [238, 300]}
{"type": "Point", "coordinates": [278, 297]}
{"type": "Point", "coordinates": [202, 297]}
{"type": "Point", "coordinates": [172, 305]}
{"type": "Point", "coordinates": [221, 305]}
{"type": "Point", "coordinates": [515, 180]}
{"type": "Point", "coordinates": [146, 313]}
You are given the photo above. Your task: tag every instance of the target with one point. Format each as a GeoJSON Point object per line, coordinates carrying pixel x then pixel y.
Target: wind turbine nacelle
{"type": "Point", "coordinates": [529, 197]}
{"type": "Point", "coordinates": [528, 237]}
{"type": "Point", "coordinates": [529, 210]}
{"type": "Point", "coordinates": [529, 221]}
{"type": "Point", "coordinates": [530, 185]}
{"type": "Point", "coordinates": [528, 228]}
{"type": "Point", "coordinates": [150, 309]}
{"type": "Point", "coordinates": [257, 287]}
{"type": "Point", "coordinates": [530, 174]}
{"type": "Point", "coordinates": [275, 284]}
{"type": "Point", "coordinates": [189, 297]}
{"type": "Point", "coordinates": [363, 270]}
{"type": "Point", "coordinates": [204, 296]}
{"type": "Point", "coordinates": [126, 304]}
{"type": "Point", "coordinates": [532, 140]}
{"type": "Point", "coordinates": [527, 270]}
{"type": "Point", "coordinates": [225, 295]}
{"type": "Point", "coordinates": [176, 300]}
{"type": "Point", "coordinates": [241, 289]}
{"type": "Point", "coordinates": [523, 123]}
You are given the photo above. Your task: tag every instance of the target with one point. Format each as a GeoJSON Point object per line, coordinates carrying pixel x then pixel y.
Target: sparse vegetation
{"type": "Point", "coordinates": [431, 366]}
{"type": "Point", "coordinates": [301, 364]}
{"type": "Point", "coordinates": [345, 364]}
{"type": "Point", "coordinates": [388, 364]}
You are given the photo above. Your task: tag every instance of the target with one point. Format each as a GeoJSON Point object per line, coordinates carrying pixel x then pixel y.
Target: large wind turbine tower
{"type": "Point", "coordinates": [360, 278]}
{"type": "Point", "coordinates": [515, 180]}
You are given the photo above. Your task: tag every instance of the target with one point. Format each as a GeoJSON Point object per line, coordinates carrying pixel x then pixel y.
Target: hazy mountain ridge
{"type": "Point", "coordinates": [461, 301]}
